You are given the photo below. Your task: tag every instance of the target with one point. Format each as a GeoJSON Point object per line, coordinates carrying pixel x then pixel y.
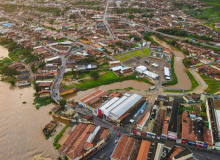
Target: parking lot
{"type": "Point", "coordinates": [136, 61]}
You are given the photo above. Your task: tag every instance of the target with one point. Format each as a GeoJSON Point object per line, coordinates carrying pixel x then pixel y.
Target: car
{"type": "Point", "coordinates": [116, 141]}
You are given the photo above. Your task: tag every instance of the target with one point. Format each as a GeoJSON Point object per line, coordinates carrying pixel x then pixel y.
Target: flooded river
{"type": "Point", "coordinates": [3, 52]}
{"type": "Point", "coordinates": [118, 85]}
{"type": "Point", "coordinates": [21, 135]}
{"type": "Point", "coordinates": [183, 79]}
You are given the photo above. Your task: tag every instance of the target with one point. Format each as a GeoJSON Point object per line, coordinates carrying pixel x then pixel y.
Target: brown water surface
{"type": "Point", "coordinates": [21, 136]}
{"type": "Point", "coordinates": [183, 79]}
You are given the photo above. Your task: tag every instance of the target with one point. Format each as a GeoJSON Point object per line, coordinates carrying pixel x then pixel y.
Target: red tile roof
{"type": "Point", "coordinates": [144, 149]}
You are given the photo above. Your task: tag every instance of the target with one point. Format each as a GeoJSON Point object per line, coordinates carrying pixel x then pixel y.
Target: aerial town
{"type": "Point", "coordinates": [110, 80]}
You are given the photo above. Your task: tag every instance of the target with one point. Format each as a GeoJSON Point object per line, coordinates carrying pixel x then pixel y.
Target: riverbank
{"type": "Point", "coordinates": [139, 87]}
{"type": "Point", "coordinates": [106, 78]}
{"type": "Point", "coordinates": [183, 79]}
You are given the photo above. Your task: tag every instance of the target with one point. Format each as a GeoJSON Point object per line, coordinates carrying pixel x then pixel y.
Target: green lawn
{"type": "Point", "coordinates": [134, 54]}
{"type": "Point", "coordinates": [212, 25]}
{"type": "Point", "coordinates": [193, 80]}
{"type": "Point", "coordinates": [119, 55]}
{"type": "Point", "coordinates": [61, 40]}
{"type": "Point", "coordinates": [124, 58]}
{"type": "Point", "coordinates": [146, 52]}
{"type": "Point", "coordinates": [57, 138]}
{"type": "Point", "coordinates": [214, 86]}
{"type": "Point", "coordinates": [104, 79]}
{"type": "Point", "coordinates": [103, 65]}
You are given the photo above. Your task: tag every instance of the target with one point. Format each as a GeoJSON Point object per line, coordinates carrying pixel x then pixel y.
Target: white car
{"type": "Point", "coordinates": [116, 141]}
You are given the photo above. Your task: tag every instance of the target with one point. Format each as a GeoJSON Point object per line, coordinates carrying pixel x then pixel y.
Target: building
{"type": "Point", "coordinates": [130, 148]}
{"type": "Point", "coordinates": [88, 100]}
{"type": "Point", "coordinates": [141, 69]}
{"type": "Point", "coordinates": [129, 103]}
{"type": "Point", "coordinates": [84, 140]}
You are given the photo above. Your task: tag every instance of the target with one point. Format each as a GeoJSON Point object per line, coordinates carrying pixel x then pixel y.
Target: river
{"type": "Point", "coordinates": [183, 79]}
{"type": "Point", "coordinates": [21, 135]}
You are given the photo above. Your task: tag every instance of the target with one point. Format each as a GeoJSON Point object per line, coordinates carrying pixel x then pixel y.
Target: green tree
{"type": "Point", "coordinates": [62, 102]}
{"type": "Point", "coordinates": [12, 80]}
{"type": "Point", "coordinates": [94, 75]}
{"type": "Point", "coordinates": [203, 114]}
{"type": "Point", "coordinates": [72, 16]}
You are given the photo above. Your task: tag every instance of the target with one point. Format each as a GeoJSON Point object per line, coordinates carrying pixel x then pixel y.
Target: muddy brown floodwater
{"type": "Point", "coordinates": [183, 79]}
{"type": "Point", "coordinates": [118, 85]}
{"type": "Point", "coordinates": [21, 135]}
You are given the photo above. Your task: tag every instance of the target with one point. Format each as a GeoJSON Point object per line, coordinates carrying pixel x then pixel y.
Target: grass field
{"type": "Point", "coordinates": [213, 85]}
{"type": "Point", "coordinates": [124, 58]}
{"type": "Point", "coordinates": [120, 55]}
{"type": "Point", "coordinates": [146, 52]}
{"type": "Point", "coordinates": [210, 14]}
{"type": "Point", "coordinates": [193, 80]}
{"type": "Point", "coordinates": [104, 79]}
{"type": "Point", "coordinates": [134, 54]}
{"type": "Point", "coordinates": [212, 25]}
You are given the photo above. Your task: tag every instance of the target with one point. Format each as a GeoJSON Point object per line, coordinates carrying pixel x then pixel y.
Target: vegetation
{"type": "Point", "coordinates": [173, 31]}
{"type": "Point", "coordinates": [124, 58]}
{"type": "Point", "coordinates": [73, 16]}
{"type": "Point", "coordinates": [62, 102]}
{"type": "Point", "coordinates": [183, 108]}
{"type": "Point", "coordinates": [175, 80]}
{"type": "Point", "coordinates": [131, 10]}
{"type": "Point", "coordinates": [209, 14]}
{"type": "Point", "coordinates": [57, 138]}
{"type": "Point", "coordinates": [193, 80]}
{"type": "Point", "coordinates": [61, 40]}
{"type": "Point", "coordinates": [138, 52]}
{"type": "Point", "coordinates": [213, 85]}
{"type": "Point", "coordinates": [90, 3]}
{"type": "Point", "coordinates": [103, 65]}
{"type": "Point", "coordinates": [94, 75]}
{"type": "Point", "coordinates": [183, 5]}
{"type": "Point", "coordinates": [24, 102]}
{"type": "Point", "coordinates": [106, 78]}
{"type": "Point", "coordinates": [131, 16]}
{"type": "Point", "coordinates": [147, 37]}
{"type": "Point", "coordinates": [146, 52]}
{"type": "Point", "coordinates": [212, 25]}
{"type": "Point", "coordinates": [39, 102]}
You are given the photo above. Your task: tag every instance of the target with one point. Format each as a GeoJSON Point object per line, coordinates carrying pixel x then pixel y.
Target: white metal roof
{"type": "Point", "coordinates": [118, 111]}
{"type": "Point", "coordinates": [116, 68]}
{"type": "Point", "coordinates": [66, 42]}
{"type": "Point", "coordinates": [150, 74]}
{"type": "Point", "coordinates": [106, 105]}
{"type": "Point", "coordinates": [50, 59]}
{"type": "Point", "coordinates": [155, 65]}
{"type": "Point", "coordinates": [166, 71]}
{"type": "Point", "coordinates": [218, 116]}
{"type": "Point", "coordinates": [112, 62]}
{"type": "Point", "coordinates": [143, 68]}
{"type": "Point", "coordinates": [109, 108]}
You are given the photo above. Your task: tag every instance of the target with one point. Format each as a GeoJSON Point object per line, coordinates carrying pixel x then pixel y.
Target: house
{"type": "Point", "coordinates": [84, 140]}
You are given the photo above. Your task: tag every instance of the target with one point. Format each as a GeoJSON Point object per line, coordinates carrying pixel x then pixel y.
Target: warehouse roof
{"type": "Point", "coordinates": [118, 111]}
{"type": "Point", "coordinates": [109, 103]}
{"type": "Point", "coordinates": [106, 112]}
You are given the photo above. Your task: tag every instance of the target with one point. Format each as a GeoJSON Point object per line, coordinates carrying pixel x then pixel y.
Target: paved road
{"type": "Point", "coordinates": [203, 155]}
{"type": "Point", "coordinates": [167, 35]}
{"type": "Point", "coordinates": [202, 85]}
{"type": "Point", "coordinates": [55, 93]}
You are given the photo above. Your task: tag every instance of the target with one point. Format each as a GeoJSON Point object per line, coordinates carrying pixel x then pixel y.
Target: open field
{"type": "Point", "coordinates": [213, 85]}
{"type": "Point", "coordinates": [124, 58]}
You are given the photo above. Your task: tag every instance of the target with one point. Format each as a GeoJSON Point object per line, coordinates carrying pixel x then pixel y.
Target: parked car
{"type": "Point", "coordinates": [116, 141]}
